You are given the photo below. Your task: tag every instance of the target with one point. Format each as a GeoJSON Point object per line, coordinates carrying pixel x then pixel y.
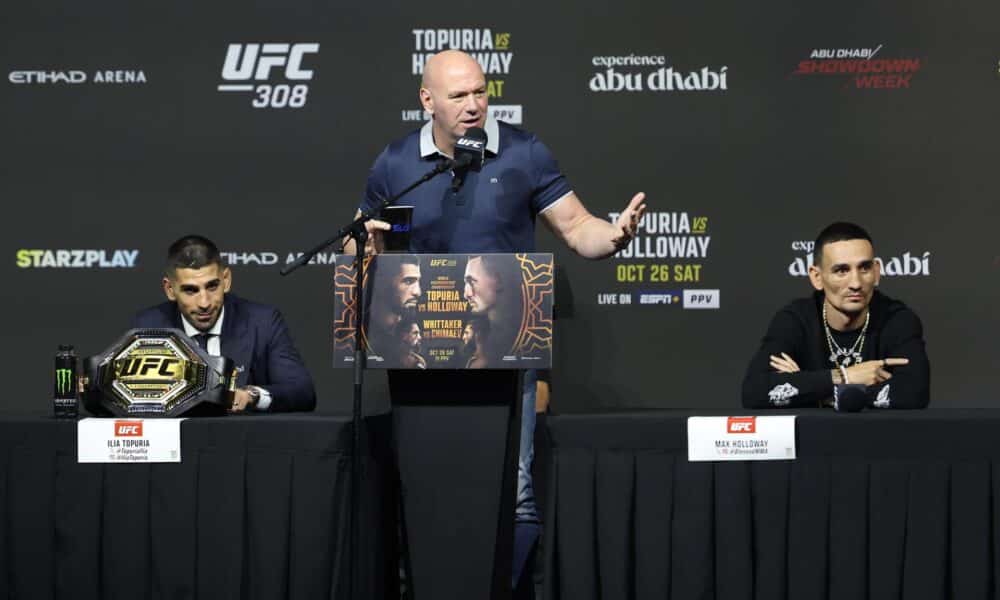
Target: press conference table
{"type": "Point", "coordinates": [878, 505]}
{"type": "Point", "coordinates": [256, 509]}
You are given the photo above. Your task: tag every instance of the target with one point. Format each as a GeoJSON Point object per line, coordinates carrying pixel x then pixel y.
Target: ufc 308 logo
{"type": "Point", "coordinates": [741, 425]}
{"type": "Point", "coordinates": [250, 68]}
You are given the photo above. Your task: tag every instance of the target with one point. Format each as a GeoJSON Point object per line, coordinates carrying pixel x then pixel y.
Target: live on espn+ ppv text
{"type": "Point", "coordinates": [747, 133]}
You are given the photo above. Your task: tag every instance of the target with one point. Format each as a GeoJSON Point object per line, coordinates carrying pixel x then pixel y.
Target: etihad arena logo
{"type": "Point", "coordinates": [276, 74]}
{"type": "Point", "coordinates": [76, 259]}
{"type": "Point", "coordinates": [909, 264]}
{"type": "Point", "coordinates": [653, 73]}
{"type": "Point", "coordinates": [270, 258]}
{"type": "Point", "coordinates": [491, 49]}
{"type": "Point", "coordinates": [860, 68]}
{"type": "Point", "coordinates": [76, 77]}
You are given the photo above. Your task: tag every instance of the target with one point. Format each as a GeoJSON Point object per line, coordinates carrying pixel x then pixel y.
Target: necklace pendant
{"type": "Point", "coordinates": [833, 358]}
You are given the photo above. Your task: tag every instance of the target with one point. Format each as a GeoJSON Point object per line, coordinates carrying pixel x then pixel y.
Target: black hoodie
{"type": "Point", "coordinates": [894, 331]}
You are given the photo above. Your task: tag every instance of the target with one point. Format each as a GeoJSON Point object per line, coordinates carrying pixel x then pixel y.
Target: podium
{"type": "Point", "coordinates": [455, 333]}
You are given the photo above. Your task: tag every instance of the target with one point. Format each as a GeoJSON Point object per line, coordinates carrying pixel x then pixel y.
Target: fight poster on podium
{"type": "Point", "coordinates": [447, 311]}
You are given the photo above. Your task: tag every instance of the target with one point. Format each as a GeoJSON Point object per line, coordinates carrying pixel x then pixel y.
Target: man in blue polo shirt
{"type": "Point", "coordinates": [491, 211]}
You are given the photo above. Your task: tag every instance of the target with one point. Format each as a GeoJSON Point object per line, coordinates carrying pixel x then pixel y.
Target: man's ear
{"type": "Point", "coordinates": [816, 277]}
{"type": "Point", "coordinates": [426, 101]}
{"type": "Point", "coordinates": [227, 280]}
{"type": "Point", "coordinates": [168, 289]}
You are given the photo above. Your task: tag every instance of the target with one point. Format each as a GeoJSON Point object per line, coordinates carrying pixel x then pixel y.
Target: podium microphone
{"type": "Point", "coordinates": [470, 153]}
{"type": "Point", "coordinates": [470, 150]}
{"type": "Point", "coordinates": [850, 397]}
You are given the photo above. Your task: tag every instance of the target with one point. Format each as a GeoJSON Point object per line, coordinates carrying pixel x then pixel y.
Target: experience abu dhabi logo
{"type": "Point", "coordinates": [654, 73]}
{"type": "Point", "coordinates": [277, 74]}
{"type": "Point", "coordinates": [491, 49]}
{"type": "Point", "coordinates": [908, 264]}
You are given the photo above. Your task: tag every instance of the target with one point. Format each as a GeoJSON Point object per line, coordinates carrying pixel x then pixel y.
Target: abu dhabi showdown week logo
{"type": "Point", "coordinates": [860, 68]}
{"type": "Point", "coordinates": [491, 49]}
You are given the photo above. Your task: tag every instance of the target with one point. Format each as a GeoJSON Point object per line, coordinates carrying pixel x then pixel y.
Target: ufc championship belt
{"type": "Point", "coordinates": [157, 373]}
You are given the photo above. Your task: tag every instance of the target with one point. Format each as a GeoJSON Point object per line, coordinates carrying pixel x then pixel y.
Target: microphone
{"type": "Point", "coordinates": [470, 150]}
{"type": "Point", "coordinates": [850, 397]}
{"type": "Point", "coordinates": [470, 153]}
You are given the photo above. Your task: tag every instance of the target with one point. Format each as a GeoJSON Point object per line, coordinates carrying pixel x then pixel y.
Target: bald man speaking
{"type": "Point", "coordinates": [493, 210]}
{"type": "Point", "coordinates": [489, 211]}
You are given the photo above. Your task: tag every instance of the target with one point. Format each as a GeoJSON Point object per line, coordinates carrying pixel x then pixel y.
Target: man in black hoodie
{"type": "Point", "coordinates": [847, 332]}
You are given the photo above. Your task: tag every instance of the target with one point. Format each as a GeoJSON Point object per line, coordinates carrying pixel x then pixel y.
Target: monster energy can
{"type": "Point", "coordinates": [65, 399]}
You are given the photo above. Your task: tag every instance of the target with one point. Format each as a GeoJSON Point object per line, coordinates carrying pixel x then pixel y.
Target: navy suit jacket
{"type": "Point", "coordinates": [256, 338]}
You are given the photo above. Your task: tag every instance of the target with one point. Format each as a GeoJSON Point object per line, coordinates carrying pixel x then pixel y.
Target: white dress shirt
{"type": "Point", "coordinates": [215, 349]}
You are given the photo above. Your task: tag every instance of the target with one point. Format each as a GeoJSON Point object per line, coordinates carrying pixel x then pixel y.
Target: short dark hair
{"type": "Point", "coordinates": [404, 325]}
{"type": "Point", "coordinates": [409, 259]}
{"type": "Point", "coordinates": [495, 267]}
{"type": "Point", "coordinates": [838, 232]}
{"type": "Point", "coordinates": [192, 252]}
{"type": "Point", "coordinates": [480, 326]}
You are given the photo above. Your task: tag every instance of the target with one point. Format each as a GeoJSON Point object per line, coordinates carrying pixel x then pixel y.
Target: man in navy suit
{"type": "Point", "coordinates": [271, 376]}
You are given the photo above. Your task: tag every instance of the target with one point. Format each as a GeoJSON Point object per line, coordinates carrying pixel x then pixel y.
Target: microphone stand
{"type": "Point", "coordinates": [356, 231]}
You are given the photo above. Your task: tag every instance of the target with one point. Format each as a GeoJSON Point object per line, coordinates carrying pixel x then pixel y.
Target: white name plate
{"type": "Point", "coordinates": [741, 438]}
{"type": "Point", "coordinates": [128, 440]}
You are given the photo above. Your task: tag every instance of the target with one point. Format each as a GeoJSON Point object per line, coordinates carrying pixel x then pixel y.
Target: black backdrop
{"type": "Point", "coordinates": [767, 158]}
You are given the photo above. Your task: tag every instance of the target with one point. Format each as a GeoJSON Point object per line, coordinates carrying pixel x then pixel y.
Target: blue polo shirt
{"type": "Point", "coordinates": [493, 211]}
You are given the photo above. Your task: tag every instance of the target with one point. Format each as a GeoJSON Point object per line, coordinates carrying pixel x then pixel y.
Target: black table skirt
{"type": "Point", "coordinates": [256, 509]}
{"type": "Point", "coordinates": [877, 505]}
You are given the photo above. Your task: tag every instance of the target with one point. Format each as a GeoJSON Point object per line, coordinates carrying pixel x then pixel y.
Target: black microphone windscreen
{"type": "Point", "coordinates": [850, 397]}
{"type": "Point", "coordinates": [470, 149]}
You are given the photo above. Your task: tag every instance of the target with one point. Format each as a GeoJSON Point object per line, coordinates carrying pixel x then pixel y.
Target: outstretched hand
{"type": "Point", "coordinates": [628, 221]}
{"type": "Point", "coordinates": [873, 372]}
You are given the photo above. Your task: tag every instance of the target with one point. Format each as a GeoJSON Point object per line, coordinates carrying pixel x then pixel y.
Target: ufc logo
{"type": "Point", "coordinates": [741, 425]}
{"type": "Point", "coordinates": [255, 61]}
{"type": "Point", "coordinates": [128, 428]}
{"type": "Point", "coordinates": [478, 145]}
{"type": "Point", "coordinates": [161, 365]}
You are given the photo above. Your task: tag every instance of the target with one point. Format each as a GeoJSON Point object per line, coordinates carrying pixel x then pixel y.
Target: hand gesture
{"type": "Point", "coordinates": [873, 372]}
{"type": "Point", "coordinates": [375, 243]}
{"type": "Point", "coordinates": [784, 364]}
{"type": "Point", "coordinates": [628, 220]}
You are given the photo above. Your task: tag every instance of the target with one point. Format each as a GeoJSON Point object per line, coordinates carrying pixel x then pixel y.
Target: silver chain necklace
{"type": "Point", "coordinates": [845, 357]}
